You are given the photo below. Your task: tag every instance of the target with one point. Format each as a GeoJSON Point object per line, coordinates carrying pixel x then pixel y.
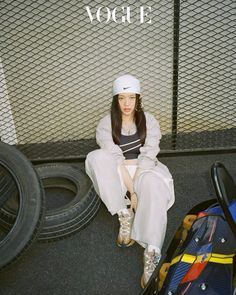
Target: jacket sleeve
{"type": "Point", "coordinates": [148, 152]}
{"type": "Point", "coordinates": [105, 141]}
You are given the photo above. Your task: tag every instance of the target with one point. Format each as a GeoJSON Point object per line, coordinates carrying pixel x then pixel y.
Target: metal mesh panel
{"type": "Point", "coordinates": [206, 81]}
{"type": "Point", "coordinates": [57, 69]}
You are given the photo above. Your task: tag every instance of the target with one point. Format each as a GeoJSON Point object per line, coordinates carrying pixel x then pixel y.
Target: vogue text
{"type": "Point", "coordinates": [123, 14]}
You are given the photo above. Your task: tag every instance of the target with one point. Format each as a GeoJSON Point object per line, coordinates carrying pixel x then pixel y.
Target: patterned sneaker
{"type": "Point", "coordinates": [151, 260]}
{"type": "Point", "coordinates": [126, 222]}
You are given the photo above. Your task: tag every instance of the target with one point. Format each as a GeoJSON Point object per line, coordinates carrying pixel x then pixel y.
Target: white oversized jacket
{"type": "Point", "coordinates": [148, 152]}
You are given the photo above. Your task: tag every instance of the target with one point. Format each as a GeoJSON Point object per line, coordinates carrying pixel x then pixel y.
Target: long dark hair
{"type": "Point", "coordinates": [116, 119]}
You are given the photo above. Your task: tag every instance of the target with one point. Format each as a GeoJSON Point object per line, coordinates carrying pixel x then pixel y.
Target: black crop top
{"type": "Point", "coordinates": [130, 145]}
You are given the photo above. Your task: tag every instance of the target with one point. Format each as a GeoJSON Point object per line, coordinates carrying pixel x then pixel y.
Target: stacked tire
{"type": "Point", "coordinates": [23, 194]}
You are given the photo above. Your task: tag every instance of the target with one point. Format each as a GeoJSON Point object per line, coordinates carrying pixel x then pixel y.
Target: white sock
{"type": "Point", "coordinates": [157, 250]}
{"type": "Point", "coordinates": [124, 211]}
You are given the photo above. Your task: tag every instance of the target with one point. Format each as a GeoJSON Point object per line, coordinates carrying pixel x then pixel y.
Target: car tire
{"type": "Point", "coordinates": [29, 215]}
{"type": "Point", "coordinates": [75, 215]}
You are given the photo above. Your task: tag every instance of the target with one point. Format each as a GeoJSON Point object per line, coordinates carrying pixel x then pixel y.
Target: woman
{"type": "Point", "coordinates": [129, 140]}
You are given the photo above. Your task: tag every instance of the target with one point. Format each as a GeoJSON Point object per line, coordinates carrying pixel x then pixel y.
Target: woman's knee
{"type": "Point", "coordinates": [97, 157]}
{"type": "Point", "coordinates": [148, 179]}
{"type": "Point", "coordinates": [150, 182]}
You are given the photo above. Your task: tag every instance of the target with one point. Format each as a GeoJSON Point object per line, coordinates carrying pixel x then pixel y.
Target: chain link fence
{"type": "Point", "coordinates": [206, 77]}
{"type": "Point", "coordinates": [57, 69]}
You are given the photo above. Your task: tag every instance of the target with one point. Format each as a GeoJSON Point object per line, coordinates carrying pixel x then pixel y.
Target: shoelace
{"type": "Point", "coordinates": [151, 261]}
{"type": "Point", "coordinates": [125, 224]}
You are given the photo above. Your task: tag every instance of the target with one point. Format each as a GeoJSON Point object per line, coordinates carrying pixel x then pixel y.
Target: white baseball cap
{"type": "Point", "coordinates": [126, 83]}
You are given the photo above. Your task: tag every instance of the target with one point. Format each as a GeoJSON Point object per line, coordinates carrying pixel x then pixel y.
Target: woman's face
{"type": "Point", "coordinates": [127, 103]}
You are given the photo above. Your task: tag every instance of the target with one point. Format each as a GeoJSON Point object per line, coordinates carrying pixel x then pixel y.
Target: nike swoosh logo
{"type": "Point", "coordinates": [124, 88]}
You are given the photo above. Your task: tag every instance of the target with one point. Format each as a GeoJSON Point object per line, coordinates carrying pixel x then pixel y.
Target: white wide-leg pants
{"type": "Point", "coordinates": [154, 188]}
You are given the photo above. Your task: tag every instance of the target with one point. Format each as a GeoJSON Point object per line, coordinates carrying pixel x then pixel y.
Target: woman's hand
{"type": "Point", "coordinates": [134, 202]}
